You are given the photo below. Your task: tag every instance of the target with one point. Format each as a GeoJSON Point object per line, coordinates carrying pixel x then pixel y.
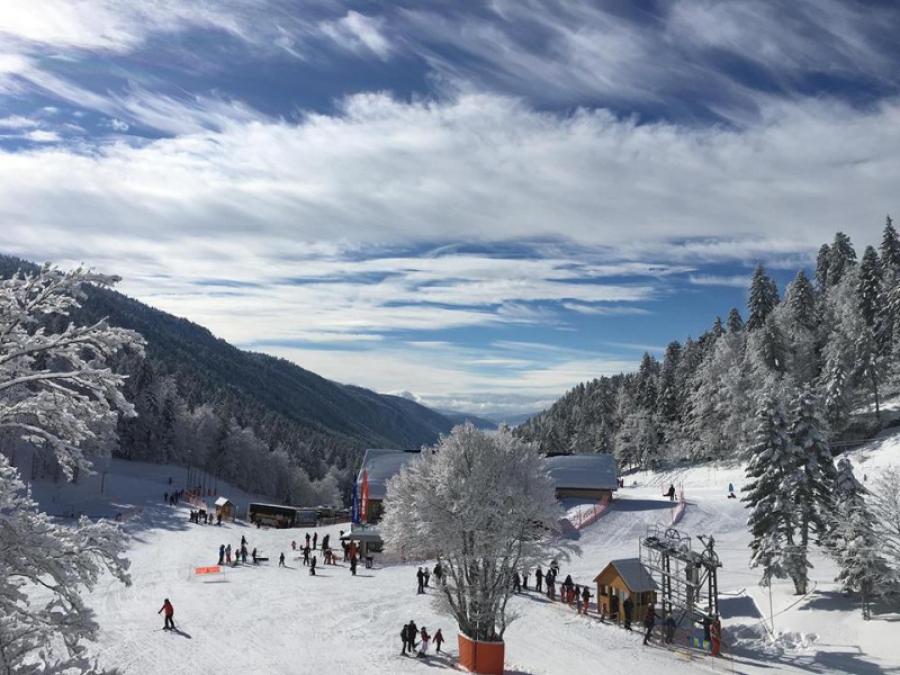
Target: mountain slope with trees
{"type": "Point", "coordinates": [202, 401]}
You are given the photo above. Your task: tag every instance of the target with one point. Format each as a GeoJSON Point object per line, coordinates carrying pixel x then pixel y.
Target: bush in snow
{"type": "Point", "coordinates": [483, 504]}
{"type": "Point", "coordinates": [55, 387]}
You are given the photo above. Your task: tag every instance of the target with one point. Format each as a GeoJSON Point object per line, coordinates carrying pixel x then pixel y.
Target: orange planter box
{"type": "Point", "coordinates": [485, 658]}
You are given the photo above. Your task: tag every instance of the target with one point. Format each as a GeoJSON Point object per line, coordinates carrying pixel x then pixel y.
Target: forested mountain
{"type": "Point", "coordinates": [835, 338]}
{"type": "Point", "coordinates": [263, 422]}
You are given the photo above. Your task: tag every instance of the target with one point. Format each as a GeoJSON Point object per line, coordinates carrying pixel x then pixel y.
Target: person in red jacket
{"type": "Point", "coordinates": [170, 612]}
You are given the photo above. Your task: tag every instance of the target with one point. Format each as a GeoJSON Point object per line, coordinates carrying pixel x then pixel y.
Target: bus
{"type": "Point", "coordinates": [272, 515]}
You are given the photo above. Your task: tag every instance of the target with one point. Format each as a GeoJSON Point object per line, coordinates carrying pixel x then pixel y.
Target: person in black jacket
{"type": "Point", "coordinates": [420, 576]}
{"type": "Point", "coordinates": [627, 606]}
{"type": "Point", "coordinates": [649, 622]}
{"type": "Point", "coordinates": [539, 580]}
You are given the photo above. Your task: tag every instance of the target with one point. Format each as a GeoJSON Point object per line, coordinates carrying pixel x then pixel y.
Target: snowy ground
{"type": "Point", "coordinates": [264, 619]}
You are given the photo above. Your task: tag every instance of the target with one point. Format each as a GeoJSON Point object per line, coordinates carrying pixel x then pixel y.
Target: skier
{"type": "Point", "coordinates": [312, 567]}
{"type": "Point", "coordinates": [307, 539]}
{"type": "Point", "coordinates": [539, 580]}
{"type": "Point", "coordinates": [577, 592]}
{"type": "Point", "coordinates": [243, 541]}
{"type": "Point", "coordinates": [353, 565]}
{"type": "Point", "coordinates": [315, 539]}
{"type": "Point", "coordinates": [627, 606]}
{"type": "Point", "coordinates": [170, 612]}
{"type": "Point", "coordinates": [670, 628]}
{"type": "Point", "coordinates": [293, 545]}
{"type": "Point", "coordinates": [411, 632]}
{"type": "Point", "coordinates": [670, 493]}
{"type": "Point", "coordinates": [253, 556]}
{"type": "Point", "coordinates": [565, 592]}
{"type": "Point", "coordinates": [423, 646]}
{"type": "Point", "coordinates": [281, 560]}
{"type": "Point", "coordinates": [244, 554]}
{"type": "Point", "coordinates": [427, 576]}
{"type": "Point", "coordinates": [222, 554]}
{"type": "Point", "coordinates": [731, 494]}
{"type": "Point", "coordinates": [649, 623]}
{"type": "Point", "coordinates": [585, 598]}
{"type": "Point", "coordinates": [306, 553]}
{"type": "Point", "coordinates": [438, 639]}
{"type": "Point", "coordinates": [325, 541]}
{"type": "Point", "coordinates": [420, 576]}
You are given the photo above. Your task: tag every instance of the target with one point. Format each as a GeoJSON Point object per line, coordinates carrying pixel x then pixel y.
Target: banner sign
{"type": "Point", "coordinates": [364, 498]}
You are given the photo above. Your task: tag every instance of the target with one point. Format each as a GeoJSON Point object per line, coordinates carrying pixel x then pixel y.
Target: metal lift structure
{"type": "Point", "coordinates": [687, 578]}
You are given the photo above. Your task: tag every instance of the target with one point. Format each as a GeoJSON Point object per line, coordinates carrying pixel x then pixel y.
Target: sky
{"type": "Point", "coordinates": [477, 205]}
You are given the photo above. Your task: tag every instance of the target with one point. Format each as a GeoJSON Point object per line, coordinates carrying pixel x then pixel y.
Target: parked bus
{"type": "Point", "coordinates": [272, 515]}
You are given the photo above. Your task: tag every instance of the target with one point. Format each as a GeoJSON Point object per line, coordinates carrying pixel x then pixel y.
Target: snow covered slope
{"type": "Point", "coordinates": [266, 619]}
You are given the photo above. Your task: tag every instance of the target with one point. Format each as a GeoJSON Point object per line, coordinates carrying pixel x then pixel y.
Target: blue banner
{"type": "Point", "coordinates": [355, 513]}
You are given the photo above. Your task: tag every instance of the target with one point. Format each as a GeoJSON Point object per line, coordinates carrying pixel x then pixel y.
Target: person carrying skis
{"type": "Point", "coordinates": [438, 640]}
{"type": "Point", "coordinates": [649, 623]}
{"type": "Point", "coordinates": [170, 612]}
{"type": "Point", "coordinates": [423, 645]}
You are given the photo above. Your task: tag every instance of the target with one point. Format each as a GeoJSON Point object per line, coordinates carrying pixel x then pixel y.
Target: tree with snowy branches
{"type": "Point", "coordinates": [484, 505]}
{"type": "Point", "coordinates": [763, 298]}
{"type": "Point", "coordinates": [773, 476]}
{"type": "Point", "coordinates": [885, 506]}
{"type": "Point", "coordinates": [55, 392]}
{"type": "Point", "coordinates": [853, 541]}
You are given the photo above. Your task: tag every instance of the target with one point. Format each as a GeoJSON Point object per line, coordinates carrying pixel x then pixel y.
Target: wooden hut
{"type": "Point", "coordinates": [622, 579]}
{"type": "Point", "coordinates": [225, 508]}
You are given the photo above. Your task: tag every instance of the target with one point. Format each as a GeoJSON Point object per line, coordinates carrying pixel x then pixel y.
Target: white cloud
{"type": "Point", "coordinates": [357, 32]}
{"type": "Point", "coordinates": [737, 281]}
{"type": "Point", "coordinates": [18, 122]}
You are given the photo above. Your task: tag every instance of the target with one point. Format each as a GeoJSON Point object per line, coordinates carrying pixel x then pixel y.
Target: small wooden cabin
{"type": "Point", "coordinates": [225, 508]}
{"type": "Point", "coordinates": [621, 579]}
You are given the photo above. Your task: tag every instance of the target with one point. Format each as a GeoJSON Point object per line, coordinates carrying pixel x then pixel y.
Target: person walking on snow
{"type": "Point", "coordinates": [222, 554]}
{"type": "Point", "coordinates": [228, 554]}
{"type": "Point", "coordinates": [281, 560]}
{"type": "Point", "coordinates": [438, 640]}
{"type": "Point", "coordinates": [306, 554]}
{"type": "Point", "coordinates": [649, 623]}
{"type": "Point", "coordinates": [170, 612]}
{"type": "Point", "coordinates": [627, 608]}
{"type": "Point", "coordinates": [420, 576]}
{"type": "Point", "coordinates": [307, 539]}
{"type": "Point", "coordinates": [312, 567]}
{"type": "Point", "coordinates": [353, 565]}
{"type": "Point", "coordinates": [315, 539]}
{"type": "Point", "coordinates": [539, 580]}
{"type": "Point", "coordinates": [423, 646]}
{"type": "Point", "coordinates": [585, 599]}
{"type": "Point", "coordinates": [517, 583]}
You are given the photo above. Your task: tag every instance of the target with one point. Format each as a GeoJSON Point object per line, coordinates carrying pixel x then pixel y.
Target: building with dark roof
{"type": "Point", "coordinates": [625, 578]}
{"type": "Point", "coordinates": [592, 476]}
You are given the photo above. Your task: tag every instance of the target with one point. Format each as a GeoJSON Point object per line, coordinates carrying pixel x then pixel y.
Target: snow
{"type": "Point", "coordinates": [265, 619]}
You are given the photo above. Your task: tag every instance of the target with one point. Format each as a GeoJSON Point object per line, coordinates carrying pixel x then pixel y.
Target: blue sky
{"type": "Point", "coordinates": [479, 204]}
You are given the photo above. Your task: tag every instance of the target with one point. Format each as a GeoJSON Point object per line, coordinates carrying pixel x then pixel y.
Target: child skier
{"type": "Point", "coordinates": [438, 639]}
{"type": "Point", "coordinates": [170, 612]}
{"type": "Point", "coordinates": [423, 646]}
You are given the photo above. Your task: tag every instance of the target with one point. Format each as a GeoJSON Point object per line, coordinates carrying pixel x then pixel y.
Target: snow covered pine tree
{"type": "Point", "coordinates": [54, 388]}
{"type": "Point", "coordinates": [485, 506]}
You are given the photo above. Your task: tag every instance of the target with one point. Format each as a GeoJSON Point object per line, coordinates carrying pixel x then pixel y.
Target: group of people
{"type": "Point", "coordinates": [414, 637]}
{"type": "Point", "coordinates": [203, 517]}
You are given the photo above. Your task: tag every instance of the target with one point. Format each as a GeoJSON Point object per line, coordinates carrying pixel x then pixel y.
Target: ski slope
{"type": "Point", "coordinates": [266, 619]}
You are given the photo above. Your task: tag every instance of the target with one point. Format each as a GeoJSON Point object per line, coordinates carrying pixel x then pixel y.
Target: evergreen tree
{"type": "Point", "coordinates": [735, 322]}
{"type": "Point", "coordinates": [868, 288]}
{"type": "Point", "coordinates": [763, 299]}
{"type": "Point", "coordinates": [772, 473]}
{"type": "Point", "coordinates": [853, 541]}
{"type": "Point", "coordinates": [841, 257]}
{"type": "Point", "coordinates": [667, 398]}
{"type": "Point", "coordinates": [890, 253]}
{"type": "Point", "coordinates": [822, 262]}
{"type": "Point", "coordinates": [809, 435]}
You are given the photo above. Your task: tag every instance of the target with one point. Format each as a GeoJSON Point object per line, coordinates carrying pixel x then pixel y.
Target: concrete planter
{"type": "Point", "coordinates": [485, 658]}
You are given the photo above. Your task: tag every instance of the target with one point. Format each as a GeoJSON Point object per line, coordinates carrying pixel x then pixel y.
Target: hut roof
{"type": "Point", "coordinates": [590, 472]}
{"type": "Point", "coordinates": [223, 501]}
{"type": "Point", "coordinates": [633, 573]}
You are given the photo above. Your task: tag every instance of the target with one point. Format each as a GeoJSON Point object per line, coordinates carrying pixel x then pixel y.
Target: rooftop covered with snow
{"type": "Point", "coordinates": [594, 471]}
